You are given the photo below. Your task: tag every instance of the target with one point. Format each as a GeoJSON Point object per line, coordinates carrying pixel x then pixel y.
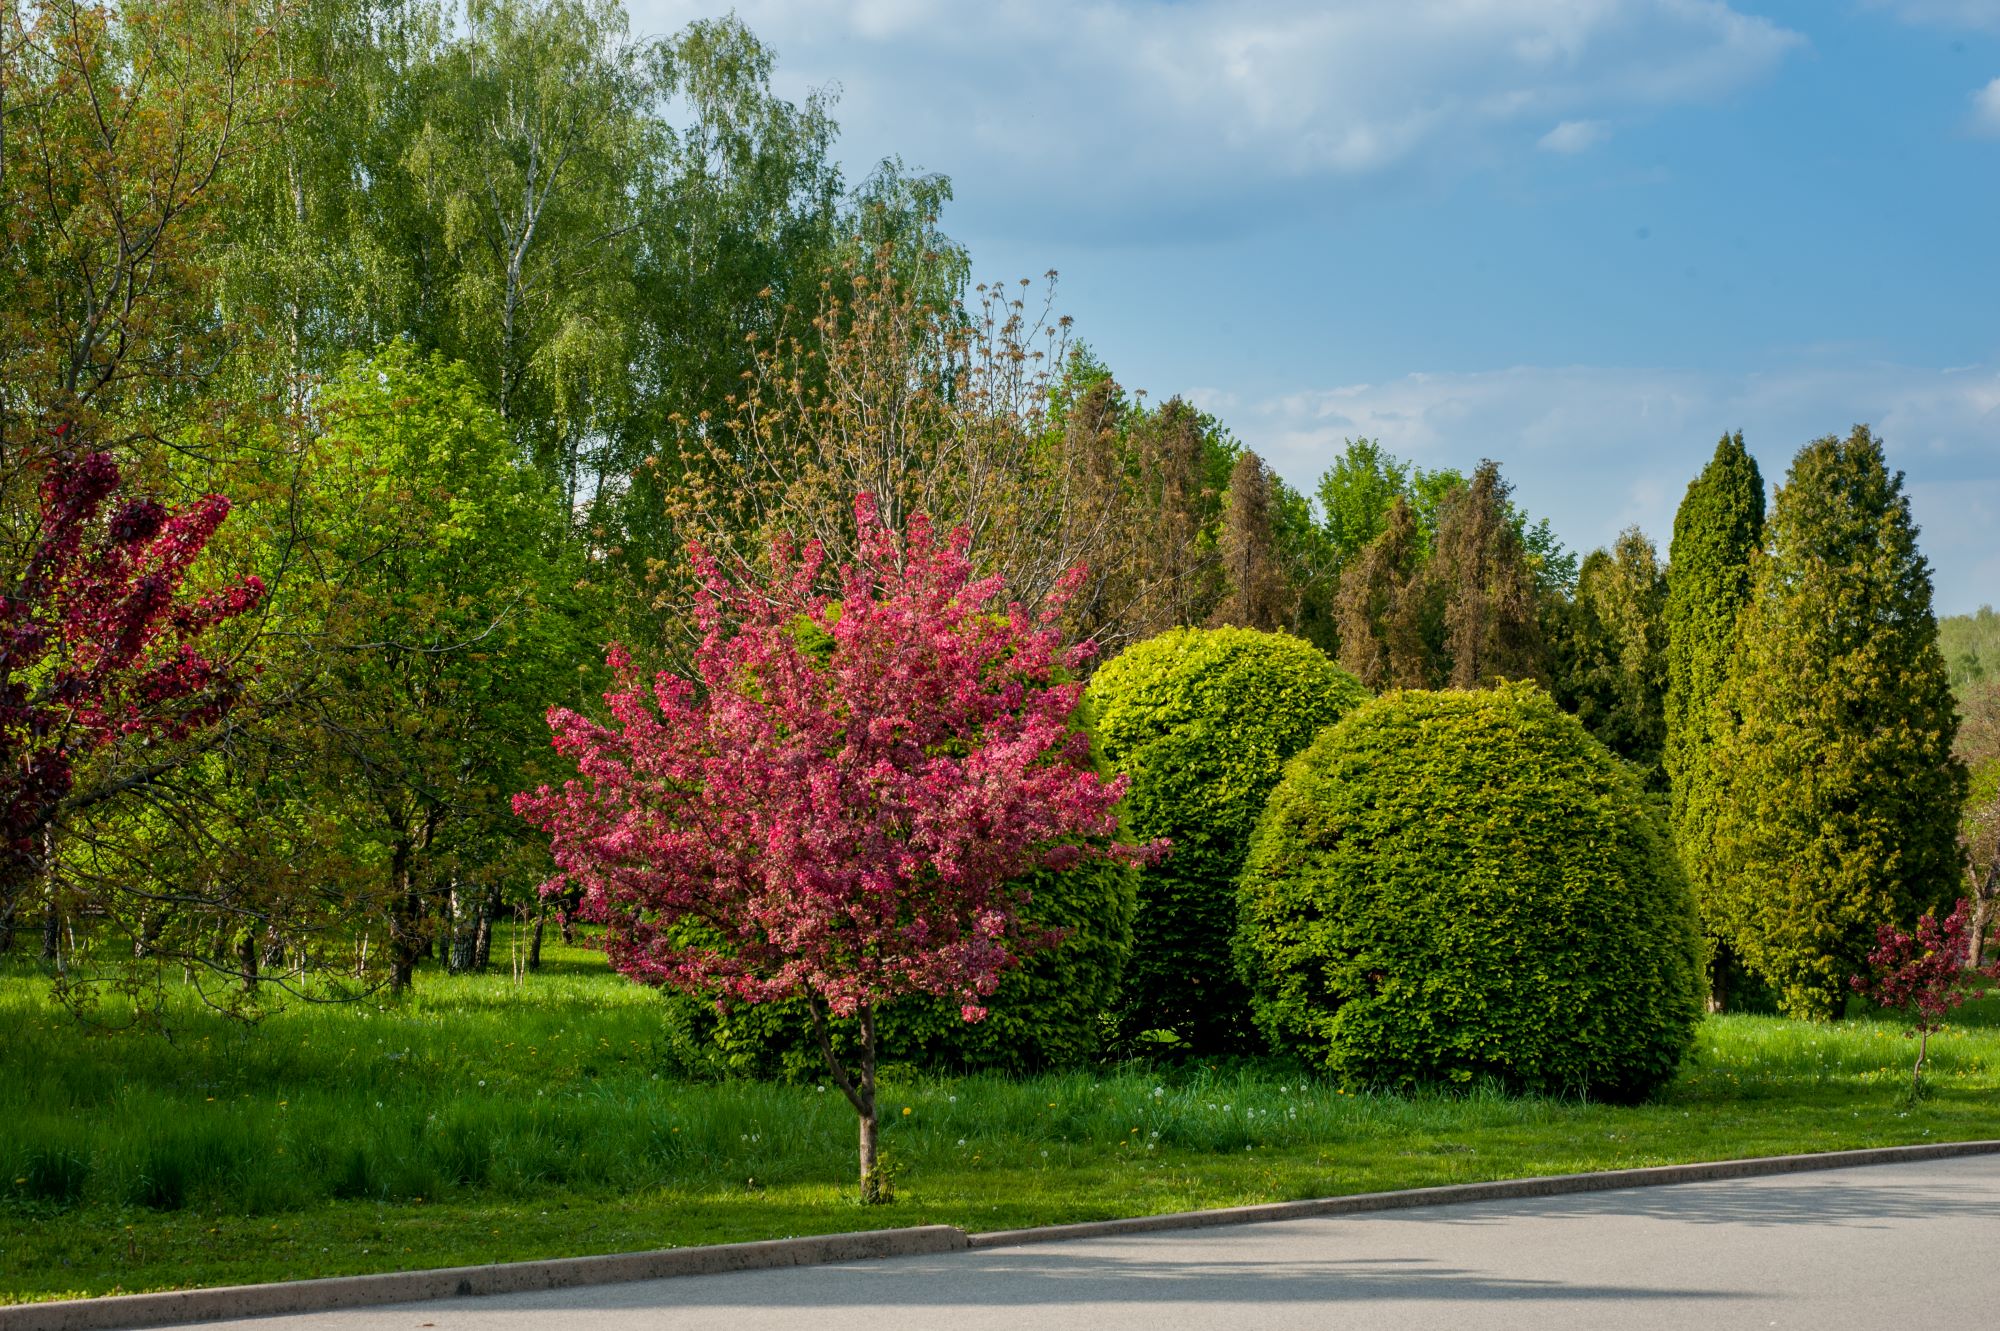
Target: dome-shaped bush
{"type": "Point", "coordinates": [1202, 720]}
{"type": "Point", "coordinates": [1450, 887]}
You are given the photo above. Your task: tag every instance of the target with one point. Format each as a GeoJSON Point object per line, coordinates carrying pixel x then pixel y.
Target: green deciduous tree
{"type": "Point", "coordinates": [438, 600]}
{"type": "Point", "coordinates": [1836, 796]}
{"type": "Point", "coordinates": [529, 157]}
{"type": "Point", "coordinates": [1978, 748]}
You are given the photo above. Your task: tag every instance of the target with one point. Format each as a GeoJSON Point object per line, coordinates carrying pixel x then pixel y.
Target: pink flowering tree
{"type": "Point", "coordinates": [98, 647]}
{"type": "Point", "coordinates": [841, 810]}
{"type": "Point", "coordinates": [1923, 976]}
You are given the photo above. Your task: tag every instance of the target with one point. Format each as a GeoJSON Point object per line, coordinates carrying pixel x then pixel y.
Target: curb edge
{"type": "Point", "coordinates": [1454, 1194]}
{"type": "Point", "coordinates": [119, 1312]}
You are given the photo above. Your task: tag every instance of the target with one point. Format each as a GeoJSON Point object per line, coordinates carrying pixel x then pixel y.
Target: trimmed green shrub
{"type": "Point", "coordinates": [1202, 720]}
{"type": "Point", "coordinates": [1048, 1012]}
{"type": "Point", "coordinates": [1465, 886]}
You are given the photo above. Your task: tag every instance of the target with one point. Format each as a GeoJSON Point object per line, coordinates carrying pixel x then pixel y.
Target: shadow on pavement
{"type": "Point", "coordinates": [1734, 1203]}
{"type": "Point", "coordinates": [1049, 1275]}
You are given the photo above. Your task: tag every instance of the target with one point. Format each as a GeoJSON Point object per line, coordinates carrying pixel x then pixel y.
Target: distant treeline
{"type": "Point", "coordinates": [478, 316]}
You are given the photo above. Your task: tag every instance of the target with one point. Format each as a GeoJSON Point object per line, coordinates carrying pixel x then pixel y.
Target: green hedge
{"type": "Point", "coordinates": [1465, 886]}
{"type": "Point", "coordinates": [1046, 1013]}
{"type": "Point", "coordinates": [1203, 720]}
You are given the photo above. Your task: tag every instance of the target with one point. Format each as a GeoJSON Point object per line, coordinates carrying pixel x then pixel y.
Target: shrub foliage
{"type": "Point", "coordinates": [1203, 720]}
{"type": "Point", "coordinates": [1463, 886]}
{"type": "Point", "coordinates": [1046, 1013]}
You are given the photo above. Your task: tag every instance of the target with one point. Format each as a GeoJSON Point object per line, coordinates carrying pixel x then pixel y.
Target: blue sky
{"type": "Point", "coordinates": [1583, 237]}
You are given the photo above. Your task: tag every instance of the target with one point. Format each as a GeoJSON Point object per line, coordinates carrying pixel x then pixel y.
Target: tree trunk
{"type": "Point", "coordinates": [51, 933]}
{"type": "Point", "coordinates": [535, 947]}
{"type": "Point", "coordinates": [461, 929]}
{"type": "Point", "coordinates": [151, 926]}
{"type": "Point", "coordinates": [404, 943]}
{"type": "Point", "coordinates": [875, 1188]}
{"type": "Point", "coordinates": [246, 959]}
{"type": "Point", "coordinates": [858, 1085]}
{"type": "Point", "coordinates": [7, 918]}
{"type": "Point", "coordinates": [871, 1178]}
{"type": "Point", "coordinates": [1984, 894]}
{"type": "Point", "coordinates": [482, 942]}
{"type": "Point", "coordinates": [1718, 979]}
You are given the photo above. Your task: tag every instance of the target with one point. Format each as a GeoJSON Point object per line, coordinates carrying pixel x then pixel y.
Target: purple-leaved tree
{"type": "Point", "coordinates": [1922, 976]}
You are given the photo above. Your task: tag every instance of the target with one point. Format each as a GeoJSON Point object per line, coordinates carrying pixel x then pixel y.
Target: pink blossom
{"type": "Point", "coordinates": [845, 805]}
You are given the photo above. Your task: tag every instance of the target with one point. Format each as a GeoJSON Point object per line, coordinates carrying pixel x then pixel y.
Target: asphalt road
{"type": "Point", "coordinates": [1883, 1247]}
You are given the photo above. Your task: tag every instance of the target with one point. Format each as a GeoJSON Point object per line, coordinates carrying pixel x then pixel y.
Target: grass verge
{"type": "Point", "coordinates": [483, 1122]}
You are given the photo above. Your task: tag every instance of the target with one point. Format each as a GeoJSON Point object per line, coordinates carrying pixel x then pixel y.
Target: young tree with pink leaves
{"type": "Point", "coordinates": [840, 810]}
{"type": "Point", "coordinates": [1922, 976]}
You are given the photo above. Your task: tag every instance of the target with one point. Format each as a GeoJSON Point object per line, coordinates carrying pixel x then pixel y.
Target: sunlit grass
{"type": "Point", "coordinates": [479, 1121]}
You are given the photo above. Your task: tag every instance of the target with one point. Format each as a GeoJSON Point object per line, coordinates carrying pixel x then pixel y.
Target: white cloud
{"type": "Point", "coordinates": [1597, 449]}
{"type": "Point", "coordinates": [1574, 136]}
{"type": "Point", "coordinates": [1986, 110]}
{"type": "Point", "coordinates": [1983, 15]}
{"type": "Point", "coordinates": [1070, 107]}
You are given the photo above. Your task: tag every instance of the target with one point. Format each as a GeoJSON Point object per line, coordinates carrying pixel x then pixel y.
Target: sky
{"type": "Point", "coordinates": [1581, 237]}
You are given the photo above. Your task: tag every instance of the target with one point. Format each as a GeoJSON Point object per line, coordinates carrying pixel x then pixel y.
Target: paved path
{"type": "Point", "coordinates": [1884, 1247]}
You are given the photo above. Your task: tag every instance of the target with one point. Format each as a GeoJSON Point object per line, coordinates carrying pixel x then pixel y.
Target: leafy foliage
{"type": "Point", "coordinates": [1203, 722]}
{"type": "Point", "coordinates": [1049, 1011]}
{"type": "Point", "coordinates": [100, 657]}
{"type": "Point", "coordinates": [1978, 747]}
{"type": "Point", "coordinates": [443, 621]}
{"type": "Point", "coordinates": [1453, 586]}
{"type": "Point", "coordinates": [1612, 666]}
{"type": "Point", "coordinates": [1971, 647]}
{"type": "Point", "coordinates": [1452, 887]}
{"type": "Point", "coordinates": [1835, 798]}
{"type": "Point", "coordinates": [1258, 596]}
{"type": "Point", "coordinates": [840, 814]}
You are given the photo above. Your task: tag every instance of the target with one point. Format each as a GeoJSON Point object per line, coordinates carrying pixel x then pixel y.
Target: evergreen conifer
{"type": "Point", "coordinates": [1835, 792]}
{"type": "Point", "coordinates": [1719, 526]}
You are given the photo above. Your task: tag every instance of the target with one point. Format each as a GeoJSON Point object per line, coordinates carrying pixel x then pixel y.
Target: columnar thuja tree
{"type": "Point", "coordinates": [838, 811]}
{"type": "Point", "coordinates": [1836, 793]}
{"type": "Point", "coordinates": [1718, 530]}
{"type": "Point", "coordinates": [98, 650]}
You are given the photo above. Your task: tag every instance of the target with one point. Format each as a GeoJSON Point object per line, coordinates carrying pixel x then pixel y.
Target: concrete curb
{"type": "Point", "coordinates": [1554, 1185]}
{"type": "Point", "coordinates": [305, 1296]}
{"type": "Point", "coordinates": [116, 1312]}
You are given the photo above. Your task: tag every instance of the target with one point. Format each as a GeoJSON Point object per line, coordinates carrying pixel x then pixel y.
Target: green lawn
{"type": "Point", "coordinates": [484, 1122]}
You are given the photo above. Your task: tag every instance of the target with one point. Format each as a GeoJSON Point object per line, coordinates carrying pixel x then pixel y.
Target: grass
{"type": "Point", "coordinates": [479, 1122]}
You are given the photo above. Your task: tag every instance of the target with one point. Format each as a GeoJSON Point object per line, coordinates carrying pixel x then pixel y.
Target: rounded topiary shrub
{"type": "Point", "coordinates": [1465, 886]}
{"type": "Point", "coordinates": [1203, 720]}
